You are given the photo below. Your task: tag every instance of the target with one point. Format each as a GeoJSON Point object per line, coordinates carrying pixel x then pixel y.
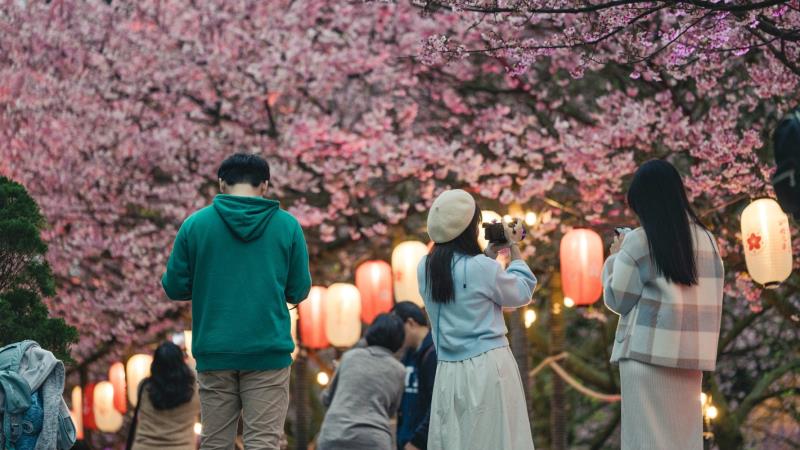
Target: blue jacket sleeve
{"type": "Point", "coordinates": [177, 281]}
{"type": "Point", "coordinates": [514, 286]}
{"type": "Point", "coordinates": [298, 283]}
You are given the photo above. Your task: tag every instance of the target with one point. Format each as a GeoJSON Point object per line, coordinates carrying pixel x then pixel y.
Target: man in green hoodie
{"type": "Point", "coordinates": [240, 261]}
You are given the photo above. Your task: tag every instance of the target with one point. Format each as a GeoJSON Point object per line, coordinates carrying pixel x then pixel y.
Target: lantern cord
{"type": "Point", "coordinates": [552, 362]}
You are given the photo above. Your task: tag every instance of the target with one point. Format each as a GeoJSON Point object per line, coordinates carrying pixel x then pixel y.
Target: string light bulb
{"type": "Point", "coordinates": [323, 379]}
{"type": "Point", "coordinates": [530, 318]}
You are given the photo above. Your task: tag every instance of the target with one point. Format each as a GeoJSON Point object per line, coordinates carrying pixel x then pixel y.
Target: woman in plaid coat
{"type": "Point", "coordinates": [665, 280]}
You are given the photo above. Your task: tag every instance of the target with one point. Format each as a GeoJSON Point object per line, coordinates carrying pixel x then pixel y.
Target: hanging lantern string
{"type": "Point", "coordinates": [552, 362]}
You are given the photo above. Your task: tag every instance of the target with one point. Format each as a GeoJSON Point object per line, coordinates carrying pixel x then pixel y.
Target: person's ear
{"type": "Point", "coordinates": [221, 186]}
{"type": "Point", "coordinates": [264, 187]}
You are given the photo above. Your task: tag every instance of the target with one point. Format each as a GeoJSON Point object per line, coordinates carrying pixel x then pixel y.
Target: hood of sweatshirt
{"type": "Point", "coordinates": [246, 217]}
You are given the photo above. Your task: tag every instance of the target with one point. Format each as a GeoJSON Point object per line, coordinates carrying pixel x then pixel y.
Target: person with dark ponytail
{"type": "Point", "coordinates": [478, 397]}
{"type": "Point", "coordinates": [665, 280]}
{"type": "Point", "coordinates": [168, 405]}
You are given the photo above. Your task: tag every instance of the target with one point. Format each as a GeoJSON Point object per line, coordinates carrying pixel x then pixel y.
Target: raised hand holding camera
{"type": "Point", "coordinates": [503, 235]}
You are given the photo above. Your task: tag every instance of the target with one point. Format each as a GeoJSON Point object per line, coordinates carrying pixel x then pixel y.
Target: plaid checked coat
{"type": "Point", "coordinates": [663, 323]}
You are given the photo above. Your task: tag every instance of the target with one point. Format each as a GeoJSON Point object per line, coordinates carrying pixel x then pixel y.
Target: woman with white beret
{"type": "Point", "coordinates": [478, 397]}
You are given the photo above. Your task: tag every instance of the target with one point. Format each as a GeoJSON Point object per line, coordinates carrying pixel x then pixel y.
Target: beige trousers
{"type": "Point", "coordinates": [261, 398]}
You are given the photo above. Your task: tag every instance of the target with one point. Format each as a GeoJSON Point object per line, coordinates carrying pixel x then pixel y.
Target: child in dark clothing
{"type": "Point", "coordinates": [420, 363]}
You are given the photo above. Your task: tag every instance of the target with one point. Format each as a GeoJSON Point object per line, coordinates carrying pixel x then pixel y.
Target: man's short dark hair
{"type": "Point", "coordinates": [244, 168]}
{"type": "Point", "coordinates": [409, 310]}
{"type": "Point", "coordinates": [386, 331]}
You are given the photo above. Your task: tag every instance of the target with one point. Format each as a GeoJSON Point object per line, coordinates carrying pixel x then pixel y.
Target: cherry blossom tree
{"type": "Point", "coordinates": [115, 116]}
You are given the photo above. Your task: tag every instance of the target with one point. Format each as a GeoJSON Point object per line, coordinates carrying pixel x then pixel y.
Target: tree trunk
{"type": "Point", "coordinates": [519, 346]}
{"type": "Point", "coordinates": [728, 434]}
{"type": "Point", "coordinates": [558, 426]}
{"type": "Point", "coordinates": [302, 410]}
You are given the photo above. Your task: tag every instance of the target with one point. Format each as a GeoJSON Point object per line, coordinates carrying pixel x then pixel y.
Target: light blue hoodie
{"type": "Point", "coordinates": [474, 323]}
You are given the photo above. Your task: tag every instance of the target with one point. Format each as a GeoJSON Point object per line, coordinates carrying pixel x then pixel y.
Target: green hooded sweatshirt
{"type": "Point", "coordinates": [240, 261]}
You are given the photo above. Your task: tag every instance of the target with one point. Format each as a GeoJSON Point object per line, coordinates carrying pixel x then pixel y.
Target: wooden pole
{"type": "Point", "coordinates": [519, 346]}
{"type": "Point", "coordinates": [558, 429]}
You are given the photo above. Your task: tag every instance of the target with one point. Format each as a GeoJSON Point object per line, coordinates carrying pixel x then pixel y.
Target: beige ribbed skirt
{"type": "Point", "coordinates": [479, 404]}
{"type": "Point", "coordinates": [660, 407]}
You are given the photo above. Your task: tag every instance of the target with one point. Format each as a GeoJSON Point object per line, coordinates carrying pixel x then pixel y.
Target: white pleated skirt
{"type": "Point", "coordinates": [479, 404]}
{"type": "Point", "coordinates": [660, 407]}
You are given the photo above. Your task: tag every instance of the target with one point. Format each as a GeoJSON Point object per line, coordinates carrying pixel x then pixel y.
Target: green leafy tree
{"type": "Point", "coordinates": [25, 276]}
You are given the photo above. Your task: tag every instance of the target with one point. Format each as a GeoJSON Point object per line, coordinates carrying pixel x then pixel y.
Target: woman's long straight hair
{"type": "Point", "coordinates": [439, 265]}
{"type": "Point", "coordinates": [658, 198]}
{"type": "Point", "coordinates": [171, 381]}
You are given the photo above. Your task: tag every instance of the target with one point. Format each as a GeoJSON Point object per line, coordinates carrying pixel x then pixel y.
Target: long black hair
{"type": "Point", "coordinates": [658, 198]}
{"type": "Point", "coordinates": [439, 265]}
{"type": "Point", "coordinates": [171, 381]}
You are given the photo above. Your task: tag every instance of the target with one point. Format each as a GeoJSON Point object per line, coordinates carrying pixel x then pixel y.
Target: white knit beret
{"type": "Point", "coordinates": [450, 215]}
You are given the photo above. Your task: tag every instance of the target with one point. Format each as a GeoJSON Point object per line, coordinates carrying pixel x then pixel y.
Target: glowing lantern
{"type": "Point", "coordinates": [116, 375]}
{"type": "Point", "coordinates": [293, 324]}
{"type": "Point", "coordinates": [138, 369]}
{"type": "Point", "coordinates": [76, 412]}
{"type": "Point", "coordinates": [405, 259]}
{"type": "Point", "coordinates": [342, 314]}
{"type": "Point", "coordinates": [312, 319]}
{"type": "Point", "coordinates": [581, 266]}
{"type": "Point", "coordinates": [108, 419]}
{"type": "Point", "coordinates": [487, 217]}
{"type": "Point", "coordinates": [187, 342]}
{"type": "Point", "coordinates": [767, 242]}
{"type": "Point", "coordinates": [530, 219]}
{"type": "Point", "coordinates": [374, 282]}
{"type": "Point", "coordinates": [87, 407]}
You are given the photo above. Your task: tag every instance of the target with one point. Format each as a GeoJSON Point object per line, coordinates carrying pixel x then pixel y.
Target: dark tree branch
{"type": "Point", "coordinates": [528, 9]}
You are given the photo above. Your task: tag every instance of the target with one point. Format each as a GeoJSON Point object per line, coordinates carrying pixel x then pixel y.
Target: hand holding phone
{"type": "Point", "coordinates": [619, 231]}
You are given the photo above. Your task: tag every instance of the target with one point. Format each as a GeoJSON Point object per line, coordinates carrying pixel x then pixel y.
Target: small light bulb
{"type": "Point", "coordinates": [323, 379]}
{"type": "Point", "coordinates": [530, 219]}
{"type": "Point", "coordinates": [703, 398]}
{"type": "Point", "coordinates": [568, 302]}
{"type": "Point", "coordinates": [530, 317]}
{"type": "Point", "coordinates": [712, 412]}
{"type": "Point", "coordinates": [198, 428]}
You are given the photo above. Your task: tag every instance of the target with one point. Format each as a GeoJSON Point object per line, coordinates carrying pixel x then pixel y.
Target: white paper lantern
{"type": "Point", "coordinates": [405, 259]}
{"type": "Point", "coordinates": [77, 411]}
{"type": "Point", "coordinates": [108, 419]}
{"type": "Point", "coordinates": [487, 217]}
{"type": "Point", "coordinates": [137, 369]}
{"type": "Point", "coordinates": [293, 322]}
{"type": "Point", "coordinates": [342, 314]}
{"type": "Point", "coordinates": [187, 342]}
{"type": "Point", "coordinates": [767, 242]}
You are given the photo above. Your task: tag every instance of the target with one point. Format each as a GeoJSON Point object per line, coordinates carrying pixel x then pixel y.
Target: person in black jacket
{"type": "Point", "coordinates": [420, 362]}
